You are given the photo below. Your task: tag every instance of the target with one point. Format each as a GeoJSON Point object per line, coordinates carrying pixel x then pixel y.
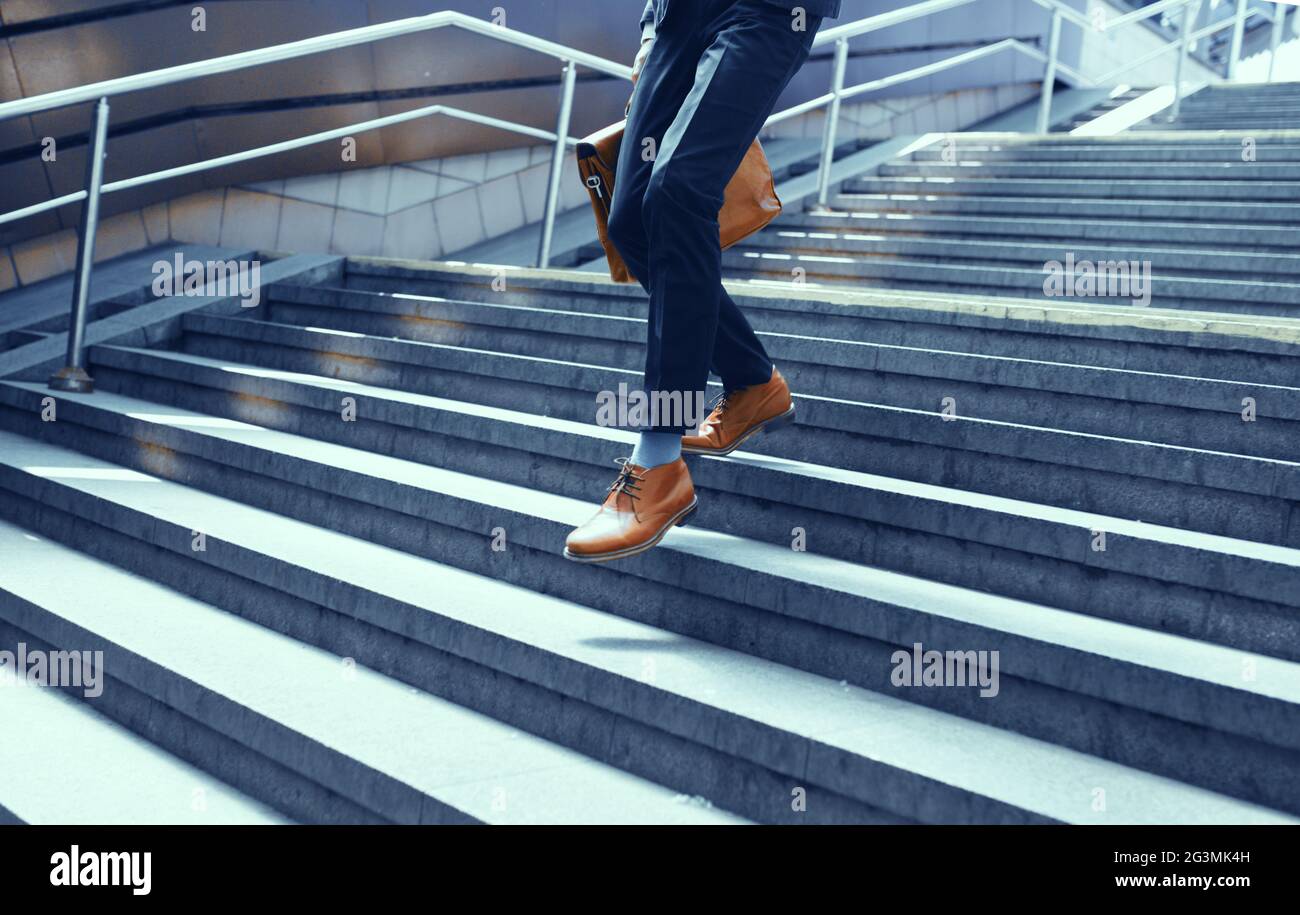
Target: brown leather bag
{"type": "Point", "coordinates": [750, 200]}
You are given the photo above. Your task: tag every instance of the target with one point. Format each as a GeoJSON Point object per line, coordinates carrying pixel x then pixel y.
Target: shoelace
{"type": "Point", "coordinates": [624, 484]}
{"type": "Point", "coordinates": [719, 404]}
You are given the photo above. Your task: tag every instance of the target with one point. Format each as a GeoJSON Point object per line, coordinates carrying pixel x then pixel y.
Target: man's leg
{"type": "Point", "coordinates": [668, 76]}
{"type": "Point", "coordinates": [753, 55]}
{"type": "Point", "coordinates": [728, 72]}
{"type": "Point", "coordinates": [665, 80]}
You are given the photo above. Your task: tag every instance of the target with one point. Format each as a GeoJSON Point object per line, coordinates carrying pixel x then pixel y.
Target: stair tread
{"type": "Point", "coordinates": [1068, 200]}
{"type": "Point", "coordinates": [1036, 274]}
{"type": "Point", "coordinates": [1020, 244]}
{"type": "Point", "coordinates": [801, 219]}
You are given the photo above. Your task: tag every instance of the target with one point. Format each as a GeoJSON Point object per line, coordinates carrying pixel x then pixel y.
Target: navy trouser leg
{"type": "Point", "coordinates": [712, 79]}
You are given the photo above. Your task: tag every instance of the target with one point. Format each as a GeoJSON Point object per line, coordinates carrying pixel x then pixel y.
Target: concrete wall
{"type": "Point", "coordinates": [1100, 53]}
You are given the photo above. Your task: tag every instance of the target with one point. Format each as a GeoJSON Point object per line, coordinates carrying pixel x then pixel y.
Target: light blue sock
{"type": "Point", "coordinates": [656, 448]}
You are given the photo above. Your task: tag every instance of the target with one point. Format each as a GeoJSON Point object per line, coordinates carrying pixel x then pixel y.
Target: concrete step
{"type": "Point", "coordinates": [64, 763]}
{"type": "Point", "coordinates": [1144, 575]}
{"type": "Point", "coordinates": [1226, 238]}
{"type": "Point", "coordinates": [1197, 490]}
{"type": "Point", "coordinates": [247, 542]}
{"type": "Point", "coordinates": [1171, 190]}
{"type": "Point", "coordinates": [1166, 341]}
{"type": "Point", "coordinates": [1148, 138]}
{"type": "Point", "coordinates": [16, 338]}
{"type": "Point", "coordinates": [1232, 123]}
{"type": "Point", "coordinates": [1245, 91]}
{"type": "Point", "coordinates": [1167, 291]}
{"type": "Point", "coordinates": [120, 282]}
{"type": "Point", "coordinates": [315, 737]}
{"type": "Point", "coordinates": [1172, 153]}
{"type": "Point", "coordinates": [1199, 413]}
{"type": "Point", "coordinates": [1213, 123]}
{"type": "Point", "coordinates": [1280, 107]}
{"type": "Point", "coordinates": [931, 199]}
{"type": "Point", "coordinates": [1185, 176]}
{"type": "Point", "coordinates": [1166, 261]}
{"type": "Point", "coordinates": [615, 341]}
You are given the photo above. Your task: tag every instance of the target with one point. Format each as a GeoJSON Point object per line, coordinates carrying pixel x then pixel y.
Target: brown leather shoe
{"type": "Point", "coordinates": [640, 508]}
{"type": "Point", "coordinates": [738, 415]}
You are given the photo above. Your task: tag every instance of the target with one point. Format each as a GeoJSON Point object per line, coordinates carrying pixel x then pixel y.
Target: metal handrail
{"type": "Point", "coordinates": [885, 20]}
{"type": "Point", "coordinates": [285, 146]}
{"type": "Point", "coordinates": [305, 48]}
{"type": "Point", "coordinates": [74, 377]}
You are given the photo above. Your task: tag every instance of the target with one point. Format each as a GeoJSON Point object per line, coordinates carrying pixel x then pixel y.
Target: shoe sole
{"type": "Point", "coordinates": [767, 425]}
{"type": "Point", "coordinates": [677, 519]}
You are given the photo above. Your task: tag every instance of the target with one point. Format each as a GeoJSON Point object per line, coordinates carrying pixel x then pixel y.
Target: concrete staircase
{"type": "Point", "coordinates": [1240, 106]}
{"type": "Point", "coordinates": [1210, 206]}
{"type": "Point", "coordinates": [319, 544]}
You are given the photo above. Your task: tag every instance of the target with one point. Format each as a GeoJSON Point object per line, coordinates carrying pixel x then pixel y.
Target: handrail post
{"type": "Point", "coordinates": [832, 122]}
{"type": "Point", "coordinates": [73, 376]}
{"type": "Point", "coordinates": [1190, 9]}
{"type": "Point", "coordinates": [1279, 18]}
{"type": "Point", "coordinates": [557, 163]}
{"type": "Point", "coordinates": [1238, 32]}
{"type": "Point", "coordinates": [1049, 73]}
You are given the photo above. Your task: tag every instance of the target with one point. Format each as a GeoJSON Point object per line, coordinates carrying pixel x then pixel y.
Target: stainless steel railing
{"type": "Point", "coordinates": [1061, 13]}
{"type": "Point", "coordinates": [74, 377]}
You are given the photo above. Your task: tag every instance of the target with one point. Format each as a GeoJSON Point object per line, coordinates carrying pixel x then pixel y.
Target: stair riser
{"type": "Point", "coordinates": [1226, 239]}
{"type": "Point", "coordinates": [1272, 107]}
{"type": "Point", "coordinates": [1218, 124]}
{"type": "Point", "coordinates": [204, 728]}
{"type": "Point", "coordinates": [1203, 118]}
{"type": "Point", "coordinates": [1187, 752]}
{"type": "Point", "coordinates": [1200, 353]}
{"type": "Point", "coordinates": [1202, 415]}
{"type": "Point", "coordinates": [1048, 206]}
{"type": "Point", "coordinates": [990, 254]}
{"type": "Point", "coordinates": [1237, 297]}
{"type": "Point", "coordinates": [1226, 152]}
{"type": "Point", "coordinates": [976, 457]}
{"type": "Point", "coordinates": [584, 340]}
{"type": "Point", "coordinates": [1123, 190]}
{"type": "Point", "coordinates": [1244, 173]}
